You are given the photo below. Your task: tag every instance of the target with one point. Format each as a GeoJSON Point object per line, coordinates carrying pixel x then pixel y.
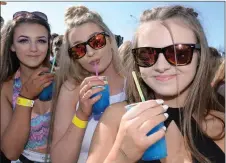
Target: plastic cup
{"type": "Point", "coordinates": [47, 92]}
{"type": "Point", "coordinates": [100, 106]}
{"type": "Point", "coordinates": [156, 151]}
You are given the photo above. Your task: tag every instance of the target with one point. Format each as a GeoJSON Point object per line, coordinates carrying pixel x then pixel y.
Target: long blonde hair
{"type": "Point", "coordinates": [124, 52]}
{"type": "Point", "coordinates": [69, 68]}
{"type": "Point", "coordinates": [201, 98]}
{"type": "Point", "coordinates": [219, 75]}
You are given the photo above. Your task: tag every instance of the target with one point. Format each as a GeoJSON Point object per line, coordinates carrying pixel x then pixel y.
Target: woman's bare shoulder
{"type": "Point", "coordinates": [214, 124]}
{"type": "Point", "coordinates": [7, 89]}
{"type": "Point", "coordinates": [114, 112]}
{"type": "Point", "coordinates": [69, 86]}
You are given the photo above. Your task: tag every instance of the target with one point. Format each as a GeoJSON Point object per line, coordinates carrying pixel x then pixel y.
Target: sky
{"type": "Point", "coordinates": [117, 15]}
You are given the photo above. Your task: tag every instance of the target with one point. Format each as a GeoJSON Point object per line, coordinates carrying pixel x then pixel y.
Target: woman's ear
{"type": "Point", "coordinates": [12, 48]}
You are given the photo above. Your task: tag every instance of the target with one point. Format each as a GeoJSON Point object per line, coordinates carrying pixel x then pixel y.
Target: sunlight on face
{"type": "Point", "coordinates": [102, 56]}
{"type": "Point", "coordinates": [164, 78]}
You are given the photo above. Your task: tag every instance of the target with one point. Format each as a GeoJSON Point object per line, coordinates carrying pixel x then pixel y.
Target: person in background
{"type": "Point", "coordinates": [56, 45]}
{"type": "Point", "coordinates": [216, 59]}
{"type": "Point", "coordinates": [54, 35]}
{"type": "Point", "coordinates": [2, 21]}
{"type": "Point", "coordinates": [218, 83]}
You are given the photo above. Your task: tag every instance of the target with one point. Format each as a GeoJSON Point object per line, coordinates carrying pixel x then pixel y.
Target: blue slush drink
{"type": "Point", "coordinates": [46, 93]}
{"type": "Point", "coordinates": [100, 106]}
{"type": "Point", "coordinates": [156, 151]}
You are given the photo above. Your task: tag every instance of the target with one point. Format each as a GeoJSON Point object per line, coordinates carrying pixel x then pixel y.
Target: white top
{"type": "Point", "coordinates": [92, 124]}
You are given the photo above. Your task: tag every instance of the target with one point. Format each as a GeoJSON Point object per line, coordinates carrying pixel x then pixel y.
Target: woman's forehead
{"type": "Point", "coordinates": [31, 30]}
{"type": "Point", "coordinates": [156, 34]}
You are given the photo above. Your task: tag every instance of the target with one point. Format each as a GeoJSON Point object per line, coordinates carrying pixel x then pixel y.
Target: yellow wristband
{"type": "Point", "coordinates": [24, 102]}
{"type": "Point", "coordinates": [79, 123]}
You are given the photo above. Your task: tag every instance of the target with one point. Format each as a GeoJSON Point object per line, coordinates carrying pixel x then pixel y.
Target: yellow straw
{"type": "Point", "coordinates": [138, 86]}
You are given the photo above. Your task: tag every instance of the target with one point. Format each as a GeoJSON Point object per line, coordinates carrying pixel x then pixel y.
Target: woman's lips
{"type": "Point", "coordinates": [95, 62]}
{"type": "Point", "coordinates": [164, 77]}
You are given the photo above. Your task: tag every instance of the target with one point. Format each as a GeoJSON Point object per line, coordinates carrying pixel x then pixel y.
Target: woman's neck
{"type": "Point", "coordinates": [26, 72]}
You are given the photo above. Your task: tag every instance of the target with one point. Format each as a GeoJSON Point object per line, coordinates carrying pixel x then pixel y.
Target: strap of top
{"type": "Point", "coordinates": [16, 87]}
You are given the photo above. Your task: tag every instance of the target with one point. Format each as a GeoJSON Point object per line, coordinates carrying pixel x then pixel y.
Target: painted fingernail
{"type": "Point", "coordinates": [98, 86]}
{"type": "Point", "coordinates": [166, 115]}
{"type": "Point", "coordinates": [165, 107]}
{"type": "Point", "coordinates": [164, 128]}
{"type": "Point", "coordinates": [159, 101]}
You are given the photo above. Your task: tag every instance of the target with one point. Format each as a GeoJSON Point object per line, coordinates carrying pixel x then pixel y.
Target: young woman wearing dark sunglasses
{"type": "Point", "coordinates": [87, 42]}
{"type": "Point", "coordinates": [25, 119]}
{"type": "Point", "coordinates": [171, 58]}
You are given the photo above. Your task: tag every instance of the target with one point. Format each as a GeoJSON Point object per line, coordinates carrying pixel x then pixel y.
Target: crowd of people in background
{"type": "Point", "coordinates": [182, 80]}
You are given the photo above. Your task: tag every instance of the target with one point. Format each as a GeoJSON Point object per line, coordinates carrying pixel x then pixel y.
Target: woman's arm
{"type": "Point", "coordinates": [67, 138]}
{"type": "Point", "coordinates": [105, 133]}
{"type": "Point", "coordinates": [214, 127]}
{"type": "Point", "coordinates": [125, 139]}
{"type": "Point", "coordinates": [15, 126]}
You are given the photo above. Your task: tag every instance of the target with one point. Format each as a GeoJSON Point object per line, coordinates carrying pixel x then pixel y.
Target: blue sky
{"type": "Point", "coordinates": [117, 15]}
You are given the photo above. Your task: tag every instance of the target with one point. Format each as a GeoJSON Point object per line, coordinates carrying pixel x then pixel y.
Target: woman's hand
{"type": "Point", "coordinates": [36, 83]}
{"type": "Point", "coordinates": [132, 137]}
{"type": "Point", "coordinates": [87, 89]}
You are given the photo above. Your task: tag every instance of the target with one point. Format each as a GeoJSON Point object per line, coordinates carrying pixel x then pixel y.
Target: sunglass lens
{"type": "Point", "coordinates": [146, 56]}
{"type": "Point", "coordinates": [183, 54]}
{"type": "Point", "coordinates": [98, 41]}
{"type": "Point", "coordinates": [40, 14]}
{"type": "Point", "coordinates": [78, 51]}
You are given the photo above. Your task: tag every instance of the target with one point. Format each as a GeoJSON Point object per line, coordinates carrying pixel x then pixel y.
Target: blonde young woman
{"type": "Point", "coordinates": [171, 58]}
{"type": "Point", "coordinates": [87, 41]}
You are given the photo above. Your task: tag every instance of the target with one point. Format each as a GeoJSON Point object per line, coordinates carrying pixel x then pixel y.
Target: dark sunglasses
{"type": "Point", "coordinates": [26, 13]}
{"type": "Point", "coordinates": [147, 56]}
{"type": "Point", "coordinates": [96, 42]}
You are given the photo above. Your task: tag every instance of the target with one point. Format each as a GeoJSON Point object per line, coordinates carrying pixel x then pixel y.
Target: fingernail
{"type": "Point", "coordinates": [159, 101]}
{"type": "Point", "coordinates": [164, 128]}
{"type": "Point", "coordinates": [98, 86]}
{"type": "Point", "coordinates": [166, 115]}
{"type": "Point", "coordinates": [165, 107]}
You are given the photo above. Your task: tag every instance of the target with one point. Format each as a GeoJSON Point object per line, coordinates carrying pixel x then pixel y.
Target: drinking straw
{"type": "Point", "coordinates": [138, 86]}
{"type": "Point", "coordinates": [96, 69]}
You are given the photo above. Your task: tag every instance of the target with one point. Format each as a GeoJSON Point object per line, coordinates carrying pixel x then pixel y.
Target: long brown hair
{"type": "Point", "coordinates": [201, 98]}
{"type": "Point", "coordinates": [216, 59]}
{"type": "Point", "coordinates": [9, 61]}
{"type": "Point", "coordinates": [219, 75]}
